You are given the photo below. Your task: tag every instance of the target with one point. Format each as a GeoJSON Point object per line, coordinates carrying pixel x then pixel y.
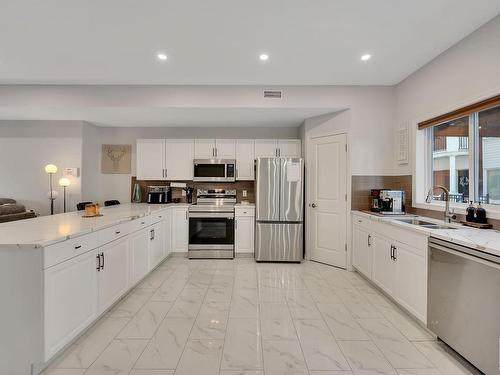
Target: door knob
{"type": "Point", "coordinates": [313, 205]}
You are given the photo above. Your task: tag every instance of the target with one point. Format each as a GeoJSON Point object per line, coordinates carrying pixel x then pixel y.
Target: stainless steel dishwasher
{"type": "Point", "coordinates": [464, 302]}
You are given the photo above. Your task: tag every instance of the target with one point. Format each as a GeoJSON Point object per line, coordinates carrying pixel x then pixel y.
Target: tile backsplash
{"type": "Point", "coordinates": [177, 192]}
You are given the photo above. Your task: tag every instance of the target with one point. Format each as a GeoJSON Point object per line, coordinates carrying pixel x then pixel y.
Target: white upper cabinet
{"type": "Point", "coordinates": [150, 159]}
{"type": "Point", "coordinates": [225, 148]}
{"type": "Point", "coordinates": [179, 155]}
{"type": "Point", "coordinates": [266, 148]}
{"type": "Point", "coordinates": [214, 148]}
{"type": "Point", "coordinates": [245, 158]}
{"type": "Point", "coordinates": [291, 148]}
{"type": "Point", "coordinates": [204, 148]}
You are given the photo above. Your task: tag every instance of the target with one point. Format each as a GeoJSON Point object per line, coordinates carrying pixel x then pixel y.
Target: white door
{"type": "Point", "coordinates": [291, 148]}
{"type": "Point", "coordinates": [225, 148]}
{"type": "Point", "coordinates": [266, 148]}
{"type": "Point", "coordinates": [139, 255]}
{"type": "Point", "coordinates": [384, 272]}
{"type": "Point", "coordinates": [113, 277]}
{"type": "Point", "coordinates": [328, 200]}
{"type": "Point", "coordinates": [204, 148]}
{"type": "Point", "coordinates": [179, 155]}
{"type": "Point", "coordinates": [245, 159]}
{"type": "Point", "coordinates": [167, 222]}
{"type": "Point", "coordinates": [362, 251]}
{"type": "Point", "coordinates": [157, 243]}
{"type": "Point", "coordinates": [150, 159]}
{"type": "Point", "coordinates": [71, 295]}
{"type": "Point", "coordinates": [180, 230]}
{"type": "Point", "coordinates": [411, 280]}
{"type": "Point", "coordinates": [244, 234]}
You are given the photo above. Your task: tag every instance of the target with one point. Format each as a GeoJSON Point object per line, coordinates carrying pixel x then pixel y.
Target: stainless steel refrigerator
{"type": "Point", "coordinates": [279, 209]}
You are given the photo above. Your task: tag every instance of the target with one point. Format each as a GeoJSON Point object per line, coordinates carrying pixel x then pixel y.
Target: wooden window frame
{"type": "Point", "coordinates": [461, 112]}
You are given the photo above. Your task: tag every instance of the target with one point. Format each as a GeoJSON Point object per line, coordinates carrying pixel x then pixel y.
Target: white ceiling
{"type": "Point", "coordinates": [159, 117]}
{"type": "Point", "coordinates": [218, 41]}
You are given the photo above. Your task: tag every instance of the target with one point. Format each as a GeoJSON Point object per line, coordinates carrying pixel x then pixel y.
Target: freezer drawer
{"type": "Point", "coordinates": [279, 242]}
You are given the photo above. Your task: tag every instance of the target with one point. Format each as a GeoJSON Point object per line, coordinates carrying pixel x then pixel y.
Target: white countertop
{"type": "Point", "coordinates": [487, 240]}
{"type": "Point", "coordinates": [47, 230]}
{"type": "Point", "coordinates": [244, 205]}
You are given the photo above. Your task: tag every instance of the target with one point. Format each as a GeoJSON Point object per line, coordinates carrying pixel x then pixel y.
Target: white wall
{"type": "Point", "coordinates": [466, 73]}
{"type": "Point", "coordinates": [25, 148]}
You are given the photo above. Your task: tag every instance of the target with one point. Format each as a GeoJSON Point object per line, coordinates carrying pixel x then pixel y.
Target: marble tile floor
{"type": "Point", "coordinates": [220, 317]}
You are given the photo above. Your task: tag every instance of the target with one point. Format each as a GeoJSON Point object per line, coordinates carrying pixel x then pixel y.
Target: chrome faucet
{"type": "Point", "coordinates": [448, 215]}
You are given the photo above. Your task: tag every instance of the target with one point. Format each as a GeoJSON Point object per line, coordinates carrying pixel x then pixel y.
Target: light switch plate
{"type": "Point", "coordinates": [183, 193]}
{"type": "Point", "coordinates": [244, 193]}
{"type": "Point", "coordinates": [74, 172]}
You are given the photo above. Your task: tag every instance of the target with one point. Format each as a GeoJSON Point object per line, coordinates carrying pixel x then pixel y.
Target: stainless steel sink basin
{"type": "Point", "coordinates": [425, 224]}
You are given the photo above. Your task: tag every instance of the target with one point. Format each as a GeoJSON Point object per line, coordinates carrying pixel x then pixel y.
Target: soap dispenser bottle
{"type": "Point", "coordinates": [471, 213]}
{"type": "Point", "coordinates": [480, 214]}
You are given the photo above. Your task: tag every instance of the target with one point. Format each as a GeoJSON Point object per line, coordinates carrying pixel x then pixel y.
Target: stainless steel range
{"type": "Point", "coordinates": [211, 224]}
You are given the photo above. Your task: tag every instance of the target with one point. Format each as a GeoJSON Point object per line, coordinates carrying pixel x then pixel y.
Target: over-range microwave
{"type": "Point", "coordinates": [214, 170]}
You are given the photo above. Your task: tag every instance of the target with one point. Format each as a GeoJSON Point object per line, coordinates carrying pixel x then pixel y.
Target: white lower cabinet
{"type": "Point", "coordinates": [71, 296]}
{"type": "Point", "coordinates": [244, 232]}
{"type": "Point", "coordinates": [180, 229]}
{"type": "Point", "coordinates": [393, 259]}
{"type": "Point", "coordinates": [384, 268]}
{"type": "Point", "coordinates": [113, 273]}
{"type": "Point", "coordinates": [156, 244]}
{"type": "Point", "coordinates": [362, 254]}
{"type": "Point", "coordinates": [139, 255]}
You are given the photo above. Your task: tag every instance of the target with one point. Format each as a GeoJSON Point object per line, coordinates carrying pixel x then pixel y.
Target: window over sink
{"type": "Point", "coordinates": [463, 153]}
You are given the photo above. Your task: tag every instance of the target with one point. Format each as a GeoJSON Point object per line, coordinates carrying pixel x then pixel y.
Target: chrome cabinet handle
{"type": "Point", "coordinates": [392, 250]}
{"type": "Point", "coordinates": [98, 262]}
{"type": "Point", "coordinates": [78, 247]}
{"type": "Point", "coordinates": [117, 232]}
{"type": "Point", "coordinates": [102, 266]}
{"type": "Point", "coordinates": [369, 240]}
{"type": "Point", "coordinates": [186, 215]}
{"type": "Point", "coordinates": [395, 253]}
{"type": "Point", "coordinates": [152, 234]}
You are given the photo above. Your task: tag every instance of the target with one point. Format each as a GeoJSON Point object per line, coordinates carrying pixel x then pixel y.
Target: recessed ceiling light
{"type": "Point", "coordinates": [366, 57]}
{"type": "Point", "coordinates": [162, 56]}
{"type": "Point", "coordinates": [264, 57]}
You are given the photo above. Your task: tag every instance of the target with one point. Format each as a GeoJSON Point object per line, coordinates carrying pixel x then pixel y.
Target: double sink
{"type": "Point", "coordinates": [424, 224]}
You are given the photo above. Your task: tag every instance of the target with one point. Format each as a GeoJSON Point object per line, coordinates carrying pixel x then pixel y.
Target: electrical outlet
{"type": "Point", "coordinates": [244, 193]}
{"type": "Point", "coordinates": [74, 172]}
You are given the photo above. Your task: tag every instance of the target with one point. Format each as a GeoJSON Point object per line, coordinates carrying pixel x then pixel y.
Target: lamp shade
{"type": "Point", "coordinates": [50, 168]}
{"type": "Point", "coordinates": [64, 182]}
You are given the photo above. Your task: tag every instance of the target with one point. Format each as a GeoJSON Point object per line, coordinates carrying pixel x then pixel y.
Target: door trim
{"type": "Point", "coordinates": [308, 158]}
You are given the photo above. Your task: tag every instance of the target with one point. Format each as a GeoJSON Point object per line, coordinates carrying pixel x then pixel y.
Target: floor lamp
{"type": "Point", "coordinates": [50, 169]}
{"type": "Point", "coordinates": [64, 182]}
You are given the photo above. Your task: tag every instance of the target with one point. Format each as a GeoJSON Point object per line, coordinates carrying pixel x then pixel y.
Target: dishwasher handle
{"type": "Point", "coordinates": [465, 252]}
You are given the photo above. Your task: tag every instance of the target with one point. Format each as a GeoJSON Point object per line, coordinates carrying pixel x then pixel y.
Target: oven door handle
{"type": "Point", "coordinates": [215, 214]}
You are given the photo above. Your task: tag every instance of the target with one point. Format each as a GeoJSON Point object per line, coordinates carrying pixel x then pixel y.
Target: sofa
{"type": "Point", "coordinates": [10, 210]}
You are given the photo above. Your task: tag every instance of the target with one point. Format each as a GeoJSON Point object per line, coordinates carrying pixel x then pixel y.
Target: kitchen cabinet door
{"type": "Point", "coordinates": [225, 148]}
{"type": "Point", "coordinates": [244, 234]}
{"type": "Point", "coordinates": [71, 295]}
{"type": "Point", "coordinates": [266, 148]}
{"type": "Point", "coordinates": [150, 159]}
{"type": "Point", "coordinates": [156, 243]}
{"type": "Point", "coordinates": [362, 255]}
{"type": "Point", "coordinates": [384, 272]}
{"type": "Point", "coordinates": [245, 159]}
{"type": "Point", "coordinates": [179, 155]}
{"type": "Point", "coordinates": [113, 277]}
{"type": "Point", "coordinates": [411, 280]}
{"type": "Point", "coordinates": [167, 223]}
{"type": "Point", "coordinates": [180, 229]}
{"type": "Point", "coordinates": [204, 148]}
{"type": "Point", "coordinates": [139, 255]}
{"type": "Point", "coordinates": [291, 148]}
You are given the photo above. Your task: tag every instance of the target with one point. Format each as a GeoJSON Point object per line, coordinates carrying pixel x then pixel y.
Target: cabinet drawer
{"type": "Point", "coordinates": [61, 251]}
{"type": "Point", "coordinates": [157, 216]}
{"type": "Point", "coordinates": [244, 211]}
{"type": "Point", "coordinates": [364, 222]}
{"type": "Point", "coordinates": [112, 233]}
{"type": "Point", "coordinates": [140, 223]}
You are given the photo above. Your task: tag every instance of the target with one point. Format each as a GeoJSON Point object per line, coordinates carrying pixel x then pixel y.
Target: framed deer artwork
{"type": "Point", "coordinates": [116, 159]}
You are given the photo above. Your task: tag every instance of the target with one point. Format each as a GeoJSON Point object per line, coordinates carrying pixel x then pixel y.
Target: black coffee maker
{"type": "Point", "coordinates": [189, 194]}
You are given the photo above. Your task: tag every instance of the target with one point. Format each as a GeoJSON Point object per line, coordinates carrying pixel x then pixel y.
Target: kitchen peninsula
{"type": "Point", "coordinates": [61, 273]}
